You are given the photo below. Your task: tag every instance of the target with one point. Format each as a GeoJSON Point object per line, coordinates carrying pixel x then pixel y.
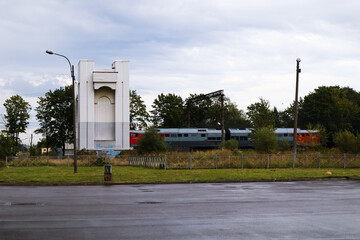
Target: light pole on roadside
{"type": "Point", "coordinates": [74, 106]}
{"type": "Point", "coordinates": [298, 70]}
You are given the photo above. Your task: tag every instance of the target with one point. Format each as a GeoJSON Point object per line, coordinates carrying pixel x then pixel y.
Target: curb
{"type": "Point", "coordinates": [191, 182]}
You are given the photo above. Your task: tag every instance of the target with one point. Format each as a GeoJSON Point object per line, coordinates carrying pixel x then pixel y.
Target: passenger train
{"type": "Point", "coordinates": [186, 139]}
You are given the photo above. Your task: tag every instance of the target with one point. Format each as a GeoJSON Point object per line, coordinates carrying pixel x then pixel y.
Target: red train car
{"type": "Point", "coordinates": [135, 135]}
{"type": "Point", "coordinates": [308, 137]}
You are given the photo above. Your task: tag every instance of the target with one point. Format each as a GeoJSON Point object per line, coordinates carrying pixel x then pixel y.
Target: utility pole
{"type": "Point", "coordinates": [31, 148]}
{"type": "Point", "coordinates": [74, 104]}
{"type": "Point", "coordinates": [298, 70]}
{"type": "Point", "coordinates": [222, 119]}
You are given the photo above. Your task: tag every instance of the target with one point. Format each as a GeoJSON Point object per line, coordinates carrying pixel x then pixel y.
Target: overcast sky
{"type": "Point", "coordinates": [248, 48]}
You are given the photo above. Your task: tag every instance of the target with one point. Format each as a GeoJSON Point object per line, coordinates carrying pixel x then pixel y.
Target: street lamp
{"type": "Point", "coordinates": [74, 107]}
{"type": "Point", "coordinates": [298, 70]}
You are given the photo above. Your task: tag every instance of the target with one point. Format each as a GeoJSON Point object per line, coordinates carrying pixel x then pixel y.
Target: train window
{"type": "Point", "coordinates": [193, 135]}
{"type": "Point", "coordinates": [203, 135]}
{"type": "Point", "coordinates": [172, 135]}
{"type": "Point", "coordinates": [201, 130]}
{"type": "Point", "coordinates": [285, 134]}
{"type": "Point", "coordinates": [133, 134]}
{"type": "Point", "coordinates": [214, 138]}
{"type": "Point", "coordinates": [167, 135]}
{"type": "Point", "coordinates": [179, 135]}
{"type": "Point", "coordinates": [186, 135]}
{"type": "Point", "coordinates": [243, 138]}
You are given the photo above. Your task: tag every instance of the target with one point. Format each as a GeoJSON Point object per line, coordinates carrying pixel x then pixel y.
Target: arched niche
{"type": "Point", "coordinates": [104, 100]}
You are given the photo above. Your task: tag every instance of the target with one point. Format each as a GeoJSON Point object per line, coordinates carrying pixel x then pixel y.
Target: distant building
{"type": "Point", "coordinates": [103, 106]}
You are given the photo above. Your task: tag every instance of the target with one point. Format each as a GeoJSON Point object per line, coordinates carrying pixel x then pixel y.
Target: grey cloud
{"type": "Point", "coordinates": [243, 47]}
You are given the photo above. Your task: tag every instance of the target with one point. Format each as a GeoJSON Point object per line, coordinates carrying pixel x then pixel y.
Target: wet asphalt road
{"type": "Point", "coordinates": [281, 210]}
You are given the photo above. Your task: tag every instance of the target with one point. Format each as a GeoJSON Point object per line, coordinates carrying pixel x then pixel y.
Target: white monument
{"type": "Point", "coordinates": [103, 106]}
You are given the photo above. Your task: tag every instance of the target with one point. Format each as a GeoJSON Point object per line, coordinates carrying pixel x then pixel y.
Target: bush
{"type": "Point", "coordinates": [231, 144]}
{"type": "Point", "coordinates": [100, 161]}
{"type": "Point", "coordinates": [285, 145]}
{"type": "Point", "coordinates": [264, 139]}
{"type": "Point", "coordinates": [346, 141]}
{"type": "Point", "coordinates": [151, 142]}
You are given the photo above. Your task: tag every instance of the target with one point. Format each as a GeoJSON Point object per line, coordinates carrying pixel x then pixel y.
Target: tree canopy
{"type": "Point", "coordinates": [55, 114]}
{"type": "Point", "coordinates": [285, 118]}
{"type": "Point", "coordinates": [139, 117]}
{"type": "Point", "coordinates": [333, 107]}
{"type": "Point", "coordinates": [204, 113]}
{"type": "Point", "coordinates": [17, 115]}
{"type": "Point", "coordinates": [168, 111]}
{"type": "Point", "coordinates": [260, 115]}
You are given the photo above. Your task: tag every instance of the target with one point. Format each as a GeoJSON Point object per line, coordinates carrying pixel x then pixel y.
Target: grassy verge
{"type": "Point", "coordinates": [123, 174]}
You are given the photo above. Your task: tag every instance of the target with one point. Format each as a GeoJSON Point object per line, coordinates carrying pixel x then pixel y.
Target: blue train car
{"type": "Point", "coordinates": [185, 139]}
{"type": "Point", "coordinates": [240, 135]}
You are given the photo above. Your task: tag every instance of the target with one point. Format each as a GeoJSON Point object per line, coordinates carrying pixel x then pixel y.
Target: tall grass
{"type": "Point", "coordinates": [201, 160]}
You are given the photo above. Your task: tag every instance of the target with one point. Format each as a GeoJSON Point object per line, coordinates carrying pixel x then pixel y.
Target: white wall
{"type": "Point", "coordinates": [103, 106]}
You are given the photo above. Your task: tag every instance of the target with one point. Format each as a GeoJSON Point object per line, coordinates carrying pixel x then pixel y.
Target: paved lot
{"type": "Point", "coordinates": [293, 210]}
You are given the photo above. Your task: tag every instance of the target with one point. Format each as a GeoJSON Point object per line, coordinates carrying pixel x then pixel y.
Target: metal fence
{"type": "Point", "coordinates": [247, 161]}
{"type": "Point", "coordinates": [82, 160]}
{"type": "Point", "coordinates": [196, 161]}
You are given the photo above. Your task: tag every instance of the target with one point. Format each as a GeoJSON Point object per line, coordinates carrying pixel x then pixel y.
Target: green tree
{"type": "Point", "coordinates": [284, 119]}
{"type": "Point", "coordinates": [151, 142]}
{"type": "Point", "coordinates": [5, 146]}
{"type": "Point", "coordinates": [233, 117]}
{"type": "Point", "coordinates": [287, 116]}
{"type": "Point", "coordinates": [202, 113]}
{"type": "Point", "coordinates": [55, 115]}
{"type": "Point", "coordinates": [207, 113]}
{"type": "Point", "coordinates": [277, 117]}
{"type": "Point", "coordinates": [335, 108]}
{"type": "Point", "coordinates": [138, 114]}
{"type": "Point", "coordinates": [264, 139]}
{"type": "Point", "coordinates": [168, 111]}
{"type": "Point", "coordinates": [17, 115]}
{"type": "Point", "coordinates": [346, 141]}
{"type": "Point", "coordinates": [260, 115]}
